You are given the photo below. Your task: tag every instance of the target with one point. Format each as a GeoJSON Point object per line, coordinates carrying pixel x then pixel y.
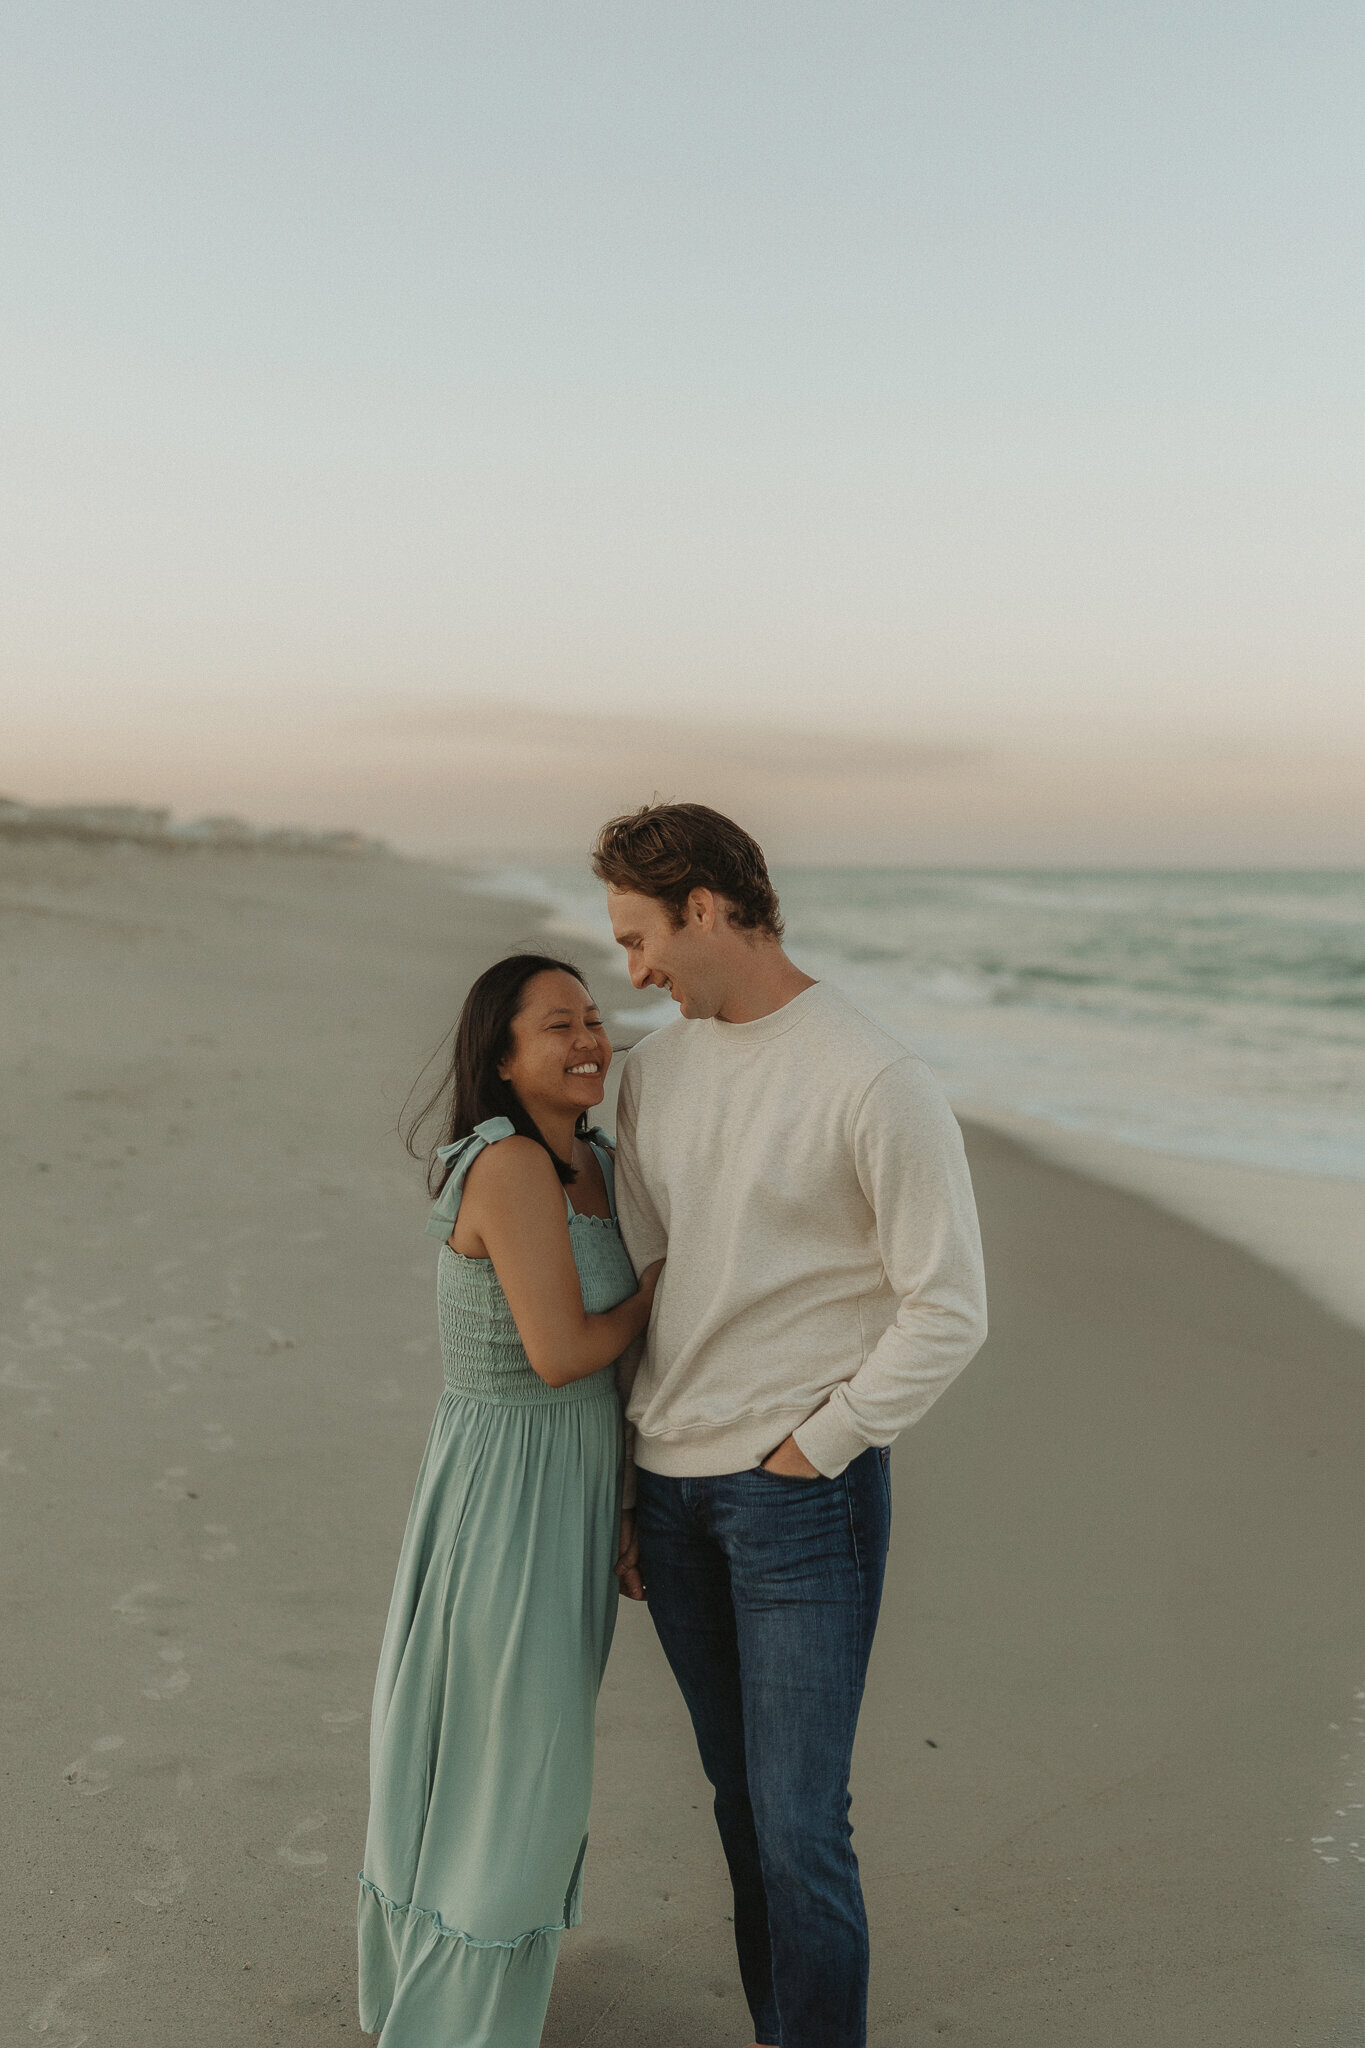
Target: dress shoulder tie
{"type": "Point", "coordinates": [459, 1157]}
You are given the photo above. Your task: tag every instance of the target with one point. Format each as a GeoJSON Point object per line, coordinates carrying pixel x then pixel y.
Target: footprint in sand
{"type": "Point", "coordinates": [303, 1859]}
{"type": "Point", "coordinates": [167, 1684]}
{"type": "Point", "coordinates": [171, 1485]}
{"type": "Point", "coordinates": [219, 1545]}
{"type": "Point", "coordinates": [11, 1465]}
{"type": "Point", "coordinates": [216, 1438]}
{"type": "Point", "coordinates": [169, 1872]}
{"type": "Point", "coordinates": [88, 1777]}
{"type": "Point", "coordinates": [386, 1392]}
{"type": "Point", "coordinates": [15, 1380]}
{"type": "Point", "coordinates": [340, 1717]}
{"type": "Point", "coordinates": [129, 1607]}
{"type": "Point", "coordinates": [51, 2017]}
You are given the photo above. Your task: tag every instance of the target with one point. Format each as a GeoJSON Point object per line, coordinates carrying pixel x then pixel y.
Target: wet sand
{"type": "Point", "coordinates": [1117, 1705]}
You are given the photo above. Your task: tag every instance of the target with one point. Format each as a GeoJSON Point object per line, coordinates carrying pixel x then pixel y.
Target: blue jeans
{"type": "Point", "coordinates": [764, 1592]}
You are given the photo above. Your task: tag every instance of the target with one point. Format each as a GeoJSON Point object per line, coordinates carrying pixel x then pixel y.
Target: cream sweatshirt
{"type": "Point", "coordinates": [806, 1178]}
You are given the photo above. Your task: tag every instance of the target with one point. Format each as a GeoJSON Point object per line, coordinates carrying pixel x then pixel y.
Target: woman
{"type": "Point", "coordinates": [504, 1604]}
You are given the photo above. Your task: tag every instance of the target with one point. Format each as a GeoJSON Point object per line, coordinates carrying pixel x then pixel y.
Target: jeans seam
{"type": "Point", "coordinates": [856, 1691]}
{"type": "Point", "coordinates": [853, 1534]}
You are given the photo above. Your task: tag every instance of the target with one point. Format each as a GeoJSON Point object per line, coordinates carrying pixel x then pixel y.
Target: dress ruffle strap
{"type": "Point", "coordinates": [459, 1157]}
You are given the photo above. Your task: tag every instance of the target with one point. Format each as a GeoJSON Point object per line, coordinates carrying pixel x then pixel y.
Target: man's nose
{"type": "Point", "coordinates": [640, 975]}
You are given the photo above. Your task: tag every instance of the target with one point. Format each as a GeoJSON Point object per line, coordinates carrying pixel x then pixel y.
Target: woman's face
{"type": "Point", "coordinates": [560, 1054]}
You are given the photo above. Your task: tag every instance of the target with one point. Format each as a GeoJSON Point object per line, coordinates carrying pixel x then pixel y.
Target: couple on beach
{"type": "Point", "coordinates": [789, 1186]}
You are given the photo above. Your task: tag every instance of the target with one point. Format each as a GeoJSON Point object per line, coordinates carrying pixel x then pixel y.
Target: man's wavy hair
{"type": "Point", "coordinates": [668, 850]}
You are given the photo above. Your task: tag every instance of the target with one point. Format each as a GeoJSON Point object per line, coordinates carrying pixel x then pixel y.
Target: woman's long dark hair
{"type": "Point", "coordinates": [476, 1091]}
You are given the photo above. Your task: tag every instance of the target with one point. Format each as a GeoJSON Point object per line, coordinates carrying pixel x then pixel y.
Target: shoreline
{"type": "Point", "coordinates": [1308, 1227]}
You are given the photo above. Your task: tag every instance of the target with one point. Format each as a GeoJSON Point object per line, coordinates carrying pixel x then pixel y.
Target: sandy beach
{"type": "Point", "coordinates": [1110, 1785]}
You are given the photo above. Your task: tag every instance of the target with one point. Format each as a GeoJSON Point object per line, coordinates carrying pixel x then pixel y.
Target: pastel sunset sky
{"type": "Point", "coordinates": [932, 431]}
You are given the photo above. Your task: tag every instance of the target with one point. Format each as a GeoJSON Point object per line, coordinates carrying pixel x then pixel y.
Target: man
{"type": "Point", "coordinates": [805, 1177]}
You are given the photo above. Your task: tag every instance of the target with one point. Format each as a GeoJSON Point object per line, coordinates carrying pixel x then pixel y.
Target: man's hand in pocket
{"type": "Point", "coordinates": [789, 1461]}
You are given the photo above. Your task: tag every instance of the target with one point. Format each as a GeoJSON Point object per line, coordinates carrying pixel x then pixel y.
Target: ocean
{"type": "Point", "coordinates": [1216, 1015]}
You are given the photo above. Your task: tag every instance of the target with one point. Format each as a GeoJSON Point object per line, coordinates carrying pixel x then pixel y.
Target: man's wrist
{"type": "Point", "coordinates": [823, 1439]}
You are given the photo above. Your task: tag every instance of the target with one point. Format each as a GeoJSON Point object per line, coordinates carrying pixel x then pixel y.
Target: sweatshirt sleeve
{"type": "Point", "coordinates": [646, 1240]}
{"type": "Point", "coordinates": [911, 1166]}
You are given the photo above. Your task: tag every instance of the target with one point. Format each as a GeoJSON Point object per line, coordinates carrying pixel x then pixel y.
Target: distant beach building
{"type": "Point", "coordinates": [348, 842]}
{"type": "Point", "coordinates": [295, 840]}
{"type": "Point", "coordinates": [149, 825]}
{"type": "Point", "coordinates": [217, 831]}
{"type": "Point", "coordinates": [86, 821]}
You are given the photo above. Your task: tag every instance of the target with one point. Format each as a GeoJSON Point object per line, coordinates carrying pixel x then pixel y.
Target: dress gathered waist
{"type": "Point", "coordinates": [509, 1391]}
{"type": "Point", "coordinates": [483, 1356]}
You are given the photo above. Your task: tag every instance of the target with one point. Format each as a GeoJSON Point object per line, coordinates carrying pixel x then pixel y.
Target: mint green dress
{"type": "Point", "coordinates": [481, 1738]}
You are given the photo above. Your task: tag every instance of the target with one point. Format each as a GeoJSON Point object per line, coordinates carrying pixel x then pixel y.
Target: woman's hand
{"type": "Point", "coordinates": [627, 1566]}
{"type": "Point", "coordinates": [649, 1280]}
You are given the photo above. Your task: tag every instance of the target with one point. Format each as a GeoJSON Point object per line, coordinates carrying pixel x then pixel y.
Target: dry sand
{"type": "Point", "coordinates": [1118, 1696]}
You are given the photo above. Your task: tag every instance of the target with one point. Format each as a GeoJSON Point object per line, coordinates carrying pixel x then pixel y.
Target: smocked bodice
{"type": "Point", "coordinates": [480, 1349]}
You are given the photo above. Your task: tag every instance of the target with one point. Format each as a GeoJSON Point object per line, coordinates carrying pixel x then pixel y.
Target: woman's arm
{"type": "Point", "coordinates": [515, 1202]}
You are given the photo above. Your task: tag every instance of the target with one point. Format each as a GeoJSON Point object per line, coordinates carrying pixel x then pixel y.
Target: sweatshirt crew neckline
{"type": "Point", "coordinates": [757, 1029]}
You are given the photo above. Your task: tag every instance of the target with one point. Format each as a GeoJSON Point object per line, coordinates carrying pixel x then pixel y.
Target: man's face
{"type": "Point", "coordinates": [661, 954]}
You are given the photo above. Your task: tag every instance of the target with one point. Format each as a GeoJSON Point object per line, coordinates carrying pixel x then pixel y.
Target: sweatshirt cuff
{"type": "Point", "coordinates": [828, 1441]}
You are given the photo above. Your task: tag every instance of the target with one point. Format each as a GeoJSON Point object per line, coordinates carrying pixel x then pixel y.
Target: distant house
{"type": "Point", "coordinates": [147, 824]}
{"type": "Point", "coordinates": [97, 821]}
{"type": "Point", "coordinates": [219, 830]}
{"type": "Point", "coordinates": [347, 842]}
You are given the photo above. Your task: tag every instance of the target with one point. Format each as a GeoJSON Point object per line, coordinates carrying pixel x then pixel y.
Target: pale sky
{"type": "Point", "coordinates": [933, 430]}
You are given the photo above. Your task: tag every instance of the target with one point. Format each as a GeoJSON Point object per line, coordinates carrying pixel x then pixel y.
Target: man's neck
{"type": "Point", "coordinates": [770, 981]}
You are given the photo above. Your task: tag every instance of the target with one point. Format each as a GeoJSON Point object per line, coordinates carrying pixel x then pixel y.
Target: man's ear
{"type": "Point", "coordinates": [702, 909]}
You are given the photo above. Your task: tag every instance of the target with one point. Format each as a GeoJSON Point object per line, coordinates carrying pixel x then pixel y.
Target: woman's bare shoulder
{"type": "Point", "coordinates": [514, 1166]}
